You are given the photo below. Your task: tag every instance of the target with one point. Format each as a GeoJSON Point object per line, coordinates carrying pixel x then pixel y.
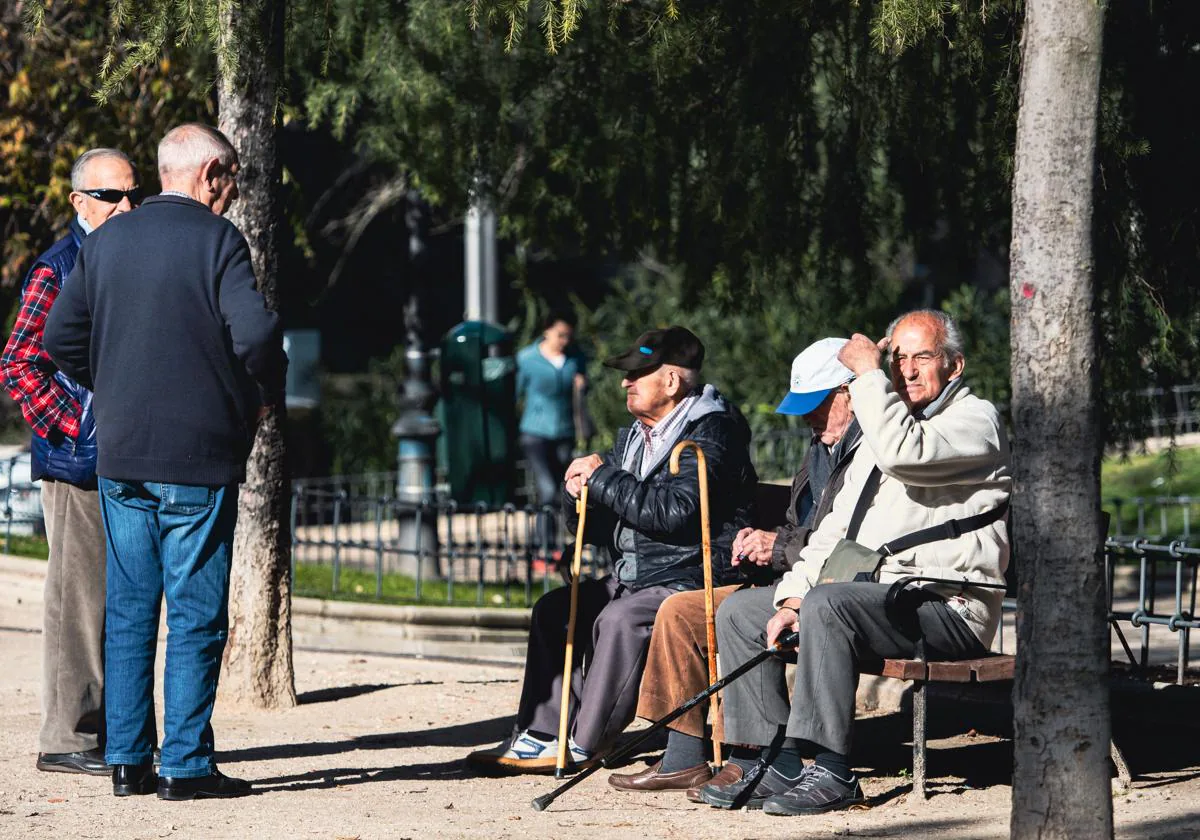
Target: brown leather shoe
{"type": "Point", "coordinates": [651, 779]}
{"type": "Point", "coordinates": [729, 775]}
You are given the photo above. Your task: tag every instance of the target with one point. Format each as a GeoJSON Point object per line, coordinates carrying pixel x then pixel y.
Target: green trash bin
{"type": "Point", "coordinates": [478, 413]}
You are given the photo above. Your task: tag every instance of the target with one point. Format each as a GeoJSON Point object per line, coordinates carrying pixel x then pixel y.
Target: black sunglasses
{"type": "Point", "coordinates": [109, 196]}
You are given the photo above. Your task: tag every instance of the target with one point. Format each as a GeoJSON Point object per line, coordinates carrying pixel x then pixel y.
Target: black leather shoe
{"type": "Point", "coordinates": [90, 762]}
{"type": "Point", "coordinates": [214, 786]}
{"type": "Point", "coordinates": [134, 779]}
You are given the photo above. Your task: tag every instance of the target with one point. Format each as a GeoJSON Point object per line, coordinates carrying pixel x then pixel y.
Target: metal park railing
{"type": "Point", "coordinates": [1172, 606]}
{"type": "Point", "coordinates": [352, 537]}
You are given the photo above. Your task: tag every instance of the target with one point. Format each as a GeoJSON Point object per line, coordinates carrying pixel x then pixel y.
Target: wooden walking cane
{"type": "Point", "coordinates": [710, 624]}
{"type": "Point", "coordinates": [560, 768]}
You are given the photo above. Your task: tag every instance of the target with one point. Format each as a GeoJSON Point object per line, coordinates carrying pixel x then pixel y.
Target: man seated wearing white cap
{"type": "Point", "coordinates": [677, 667]}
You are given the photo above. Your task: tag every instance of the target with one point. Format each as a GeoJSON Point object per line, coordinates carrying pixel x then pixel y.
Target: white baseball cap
{"type": "Point", "coordinates": [815, 372]}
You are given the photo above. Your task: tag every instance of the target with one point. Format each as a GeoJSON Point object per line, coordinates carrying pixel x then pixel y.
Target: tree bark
{"type": "Point", "coordinates": [258, 655]}
{"type": "Point", "coordinates": [1061, 785]}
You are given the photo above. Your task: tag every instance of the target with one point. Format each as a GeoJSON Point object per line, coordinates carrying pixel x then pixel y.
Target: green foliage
{"type": "Point", "coordinates": [1172, 472]}
{"type": "Point", "coordinates": [49, 118]}
{"type": "Point", "coordinates": [356, 416]}
{"type": "Point", "coordinates": [983, 319]}
{"type": "Point", "coordinates": [749, 346]}
{"type": "Point", "coordinates": [139, 33]}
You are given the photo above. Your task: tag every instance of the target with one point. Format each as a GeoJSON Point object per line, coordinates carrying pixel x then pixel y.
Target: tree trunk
{"type": "Point", "coordinates": [1061, 785]}
{"type": "Point", "coordinates": [258, 656]}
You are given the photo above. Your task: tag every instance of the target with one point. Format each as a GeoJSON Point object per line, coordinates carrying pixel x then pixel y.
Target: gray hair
{"type": "Point", "coordinates": [79, 168]}
{"type": "Point", "coordinates": [947, 334]}
{"type": "Point", "coordinates": [689, 378]}
{"type": "Point", "coordinates": [187, 147]}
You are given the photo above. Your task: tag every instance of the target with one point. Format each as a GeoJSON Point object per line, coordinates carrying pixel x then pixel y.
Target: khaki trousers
{"type": "Point", "coordinates": [677, 666]}
{"type": "Point", "coordinates": [73, 623]}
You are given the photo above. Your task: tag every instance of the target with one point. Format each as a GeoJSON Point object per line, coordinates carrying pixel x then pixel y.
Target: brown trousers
{"type": "Point", "coordinates": [677, 667]}
{"type": "Point", "coordinates": [73, 620]}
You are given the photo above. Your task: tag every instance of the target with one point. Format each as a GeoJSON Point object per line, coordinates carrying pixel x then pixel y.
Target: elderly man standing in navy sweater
{"type": "Point", "coordinates": [162, 320]}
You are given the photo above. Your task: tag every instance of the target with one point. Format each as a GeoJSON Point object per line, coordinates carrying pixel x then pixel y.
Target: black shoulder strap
{"type": "Point", "coordinates": [945, 531]}
{"type": "Point", "coordinates": [870, 486]}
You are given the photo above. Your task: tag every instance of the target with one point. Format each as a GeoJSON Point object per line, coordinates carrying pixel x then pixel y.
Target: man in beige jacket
{"type": "Point", "coordinates": [934, 456]}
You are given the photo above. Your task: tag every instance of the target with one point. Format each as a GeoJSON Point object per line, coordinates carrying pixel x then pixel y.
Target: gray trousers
{"type": "Point", "coordinates": [73, 623]}
{"type": "Point", "coordinates": [842, 625]}
{"type": "Point", "coordinates": [612, 634]}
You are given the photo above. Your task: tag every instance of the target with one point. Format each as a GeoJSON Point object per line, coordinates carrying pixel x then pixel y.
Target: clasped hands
{"type": "Point", "coordinates": [578, 473]}
{"type": "Point", "coordinates": [753, 546]}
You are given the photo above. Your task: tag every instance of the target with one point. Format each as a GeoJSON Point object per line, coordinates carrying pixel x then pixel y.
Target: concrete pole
{"type": "Point", "coordinates": [482, 272]}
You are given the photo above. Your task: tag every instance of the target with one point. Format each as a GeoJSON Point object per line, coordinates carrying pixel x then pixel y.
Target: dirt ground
{"type": "Point", "coordinates": [375, 748]}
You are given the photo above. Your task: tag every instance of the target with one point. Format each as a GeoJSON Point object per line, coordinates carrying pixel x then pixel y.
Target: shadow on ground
{"type": "Point", "coordinates": [460, 735]}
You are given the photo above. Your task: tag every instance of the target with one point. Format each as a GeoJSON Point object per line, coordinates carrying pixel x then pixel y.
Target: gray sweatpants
{"type": "Point", "coordinates": [73, 622]}
{"type": "Point", "coordinates": [841, 626]}
{"type": "Point", "coordinates": [612, 634]}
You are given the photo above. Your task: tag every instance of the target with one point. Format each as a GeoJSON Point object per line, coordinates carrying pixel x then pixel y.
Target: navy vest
{"type": "Point", "coordinates": [60, 457]}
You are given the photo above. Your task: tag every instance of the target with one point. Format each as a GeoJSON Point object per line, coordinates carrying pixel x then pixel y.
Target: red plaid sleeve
{"type": "Point", "coordinates": [26, 369]}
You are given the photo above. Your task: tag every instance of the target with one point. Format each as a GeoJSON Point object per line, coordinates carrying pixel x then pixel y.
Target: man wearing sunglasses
{"type": "Point", "coordinates": [63, 456]}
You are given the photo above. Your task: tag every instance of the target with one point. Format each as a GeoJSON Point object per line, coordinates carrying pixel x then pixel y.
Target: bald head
{"type": "Point", "coordinates": [188, 147]}
{"type": "Point", "coordinates": [199, 161]}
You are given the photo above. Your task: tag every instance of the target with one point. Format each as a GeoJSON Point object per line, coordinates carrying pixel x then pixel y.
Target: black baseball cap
{"type": "Point", "coordinates": [672, 346]}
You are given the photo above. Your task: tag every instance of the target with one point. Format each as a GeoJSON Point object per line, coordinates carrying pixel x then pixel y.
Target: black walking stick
{"type": "Point", "coordinates": [782, 645]}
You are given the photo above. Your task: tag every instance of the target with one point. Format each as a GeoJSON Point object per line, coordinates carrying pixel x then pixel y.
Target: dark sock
{"type": "Point", "coordinates": [788, 762]}
{"type": "Point", "coordinates": [836, 763]}
{"type": "Point", "coordinates": [683, 751]}
{"type": "Point", "coordinates": [542, 736]}
{"type": "Point", "coordinates": [745, 757]}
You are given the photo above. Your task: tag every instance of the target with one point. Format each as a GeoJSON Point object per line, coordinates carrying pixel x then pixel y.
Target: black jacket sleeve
{"type": "Point", "coordinates": [666, 509]}
{"type": "Point", "coordinates": [68, 333]}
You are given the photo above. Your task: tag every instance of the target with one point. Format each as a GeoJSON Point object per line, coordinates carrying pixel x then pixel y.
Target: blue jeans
{"type": "Point", "coordinates": [177, 540]}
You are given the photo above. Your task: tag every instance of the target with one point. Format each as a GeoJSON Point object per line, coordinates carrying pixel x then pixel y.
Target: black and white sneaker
{"type": "Point", "coordinates": [819, 791]}
{"type": "Point", "coordinates": [759, 784]}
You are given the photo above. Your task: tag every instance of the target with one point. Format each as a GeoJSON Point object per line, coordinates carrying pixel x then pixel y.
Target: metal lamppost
{"type": "Point", "coordinates": [416, 429]}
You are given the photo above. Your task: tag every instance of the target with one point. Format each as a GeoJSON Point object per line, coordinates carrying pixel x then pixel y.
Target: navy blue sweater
{"type": "Point", "coordinates": [161, 318]}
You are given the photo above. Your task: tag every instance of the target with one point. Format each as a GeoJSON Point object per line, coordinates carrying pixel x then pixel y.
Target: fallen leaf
{"type": "Point", "coordinates": [448, 807]}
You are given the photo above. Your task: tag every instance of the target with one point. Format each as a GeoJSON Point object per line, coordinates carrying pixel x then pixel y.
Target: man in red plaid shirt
{"type": "Point", "coordinates": [63, 456]}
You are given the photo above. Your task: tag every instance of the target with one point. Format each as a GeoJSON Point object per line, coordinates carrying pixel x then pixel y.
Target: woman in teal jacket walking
{"type": "Point", "coordinates": [551, 377]}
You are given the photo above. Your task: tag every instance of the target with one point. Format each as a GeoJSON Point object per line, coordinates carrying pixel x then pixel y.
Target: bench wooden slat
{"type": "Point", "coordinates": [898, 669]}
{"type": "Point", "coordinates": [985, 669]}
{"type": "Point", "coordinates": [957, 672]}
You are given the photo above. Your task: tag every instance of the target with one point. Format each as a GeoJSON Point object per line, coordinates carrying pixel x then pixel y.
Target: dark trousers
{"type": "Point", "coordinates": [841, 626]}
{"type": "Point", "coordinates": [73, 620]}
{"type": "Point", "coordinates": [548, 460]}
{"type": "Point", "coordinates": [612, 633]}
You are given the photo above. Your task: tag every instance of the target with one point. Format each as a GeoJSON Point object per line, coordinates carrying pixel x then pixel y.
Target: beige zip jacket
{"type": "Point", "coordinates": [952, 464]}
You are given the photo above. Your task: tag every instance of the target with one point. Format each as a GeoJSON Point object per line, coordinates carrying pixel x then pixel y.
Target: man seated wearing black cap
{"type": "Point", "coordinates": [648, 523]}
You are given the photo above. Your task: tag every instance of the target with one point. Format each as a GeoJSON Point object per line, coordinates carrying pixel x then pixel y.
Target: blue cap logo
{"type": "Point", "coordinates": [645, 350]}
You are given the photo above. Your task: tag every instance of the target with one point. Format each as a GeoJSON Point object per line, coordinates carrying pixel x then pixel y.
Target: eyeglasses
{"type": "Point", "coordinates": [110, 196]}
{"type": "Point", "coordinates": [922, 359]}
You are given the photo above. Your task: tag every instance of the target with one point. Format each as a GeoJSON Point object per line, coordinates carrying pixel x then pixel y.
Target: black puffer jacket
{"type": "Point", "coordinates": [663, 510]}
